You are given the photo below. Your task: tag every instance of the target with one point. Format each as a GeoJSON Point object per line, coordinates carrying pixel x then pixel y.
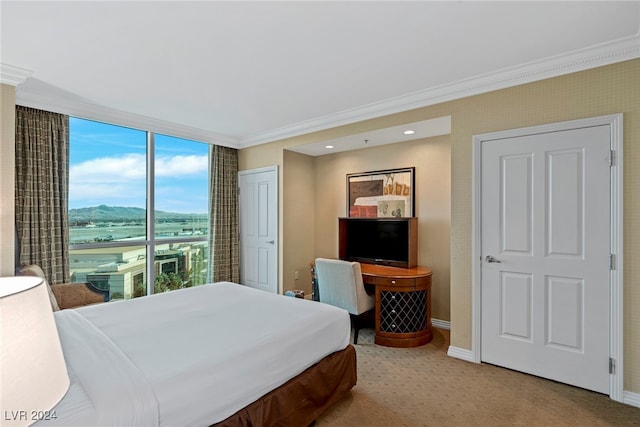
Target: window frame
{"type": "Point", "coordinates": [150, 242]}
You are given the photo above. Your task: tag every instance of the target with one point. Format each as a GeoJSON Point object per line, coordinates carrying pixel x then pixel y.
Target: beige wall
{"type": "Point", "coordinates": [7, 179]}
{"type": "Point", "coordinates": [600, 91]}
{"type": "Point", "coordinates": [432, 160]}
{"type": "Point", "coordinates": [298, 217]}
{"type": "Point", "coordinates": [314, 196]}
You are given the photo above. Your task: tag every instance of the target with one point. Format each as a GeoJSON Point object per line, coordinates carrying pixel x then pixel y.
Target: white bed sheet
{"type": "Point", "coordinates": [204, 353]}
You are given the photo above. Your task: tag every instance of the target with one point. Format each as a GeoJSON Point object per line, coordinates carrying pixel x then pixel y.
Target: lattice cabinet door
{"type": "Point", "coordinates": [404, 307]}
{"type": "Point", "coordinates": [403, 312]}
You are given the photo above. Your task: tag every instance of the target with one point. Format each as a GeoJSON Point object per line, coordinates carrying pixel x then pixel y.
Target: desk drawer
{"type": "Point", "coordinates": [387, 281]}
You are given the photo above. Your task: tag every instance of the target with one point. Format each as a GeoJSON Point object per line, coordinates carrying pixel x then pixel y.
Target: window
{"type": "Point", "coordinates": [107, 182]}
{"type": "Point", "coordinates": [120, 216]}
{"type": "Point", "coordinates": [181, 187]}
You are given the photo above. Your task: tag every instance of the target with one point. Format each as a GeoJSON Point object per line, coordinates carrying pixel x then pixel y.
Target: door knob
{"type": "Point", "coordinates": [271, 242]}
{"type": "Point", "coordinates": [491, 258]}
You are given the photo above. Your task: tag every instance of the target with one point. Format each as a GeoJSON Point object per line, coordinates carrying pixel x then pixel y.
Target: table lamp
{"type": "Point", "coordinates": [33, 374]}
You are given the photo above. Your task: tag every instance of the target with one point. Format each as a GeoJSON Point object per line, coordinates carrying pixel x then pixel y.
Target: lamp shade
{"type": "Point", "coordinates": [33, 374]}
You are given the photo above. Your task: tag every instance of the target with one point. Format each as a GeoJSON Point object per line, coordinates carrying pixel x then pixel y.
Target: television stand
{"type": "Point", "coordinates": [403, 304]}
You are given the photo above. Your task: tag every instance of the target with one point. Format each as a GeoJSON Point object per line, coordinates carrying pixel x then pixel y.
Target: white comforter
{"type": "Point", "coordinates": [191, 357]}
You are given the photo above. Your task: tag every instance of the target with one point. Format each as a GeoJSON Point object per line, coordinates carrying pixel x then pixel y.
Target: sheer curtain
{"type": "Point", "coordinates": [224, 243]}
{"type": "Point", "coordinates": [42, 181]}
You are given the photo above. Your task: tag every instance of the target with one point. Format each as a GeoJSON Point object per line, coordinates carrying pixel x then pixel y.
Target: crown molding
{"type": "Point", "coordinates": [594, 56]}
{"type": "Point", "coordinates": [579, 60]}
{"type": "Point", "coordinates": [13, 76]}
{"type": "Point", "coordinates": [65, 103]}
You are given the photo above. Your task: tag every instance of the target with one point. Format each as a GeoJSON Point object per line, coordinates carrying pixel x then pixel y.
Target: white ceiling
{"type": "Point", "coordinates": [390, 135]}
{"type": "Point", "coordinates": [243, 73]}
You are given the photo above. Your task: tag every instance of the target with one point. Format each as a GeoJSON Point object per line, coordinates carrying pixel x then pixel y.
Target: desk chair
{"type": "Point", "coordinates": [340, 284]}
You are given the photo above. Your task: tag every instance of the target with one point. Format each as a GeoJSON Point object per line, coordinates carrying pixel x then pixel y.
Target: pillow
{"type": "Point", "coordinates": [35, 270]}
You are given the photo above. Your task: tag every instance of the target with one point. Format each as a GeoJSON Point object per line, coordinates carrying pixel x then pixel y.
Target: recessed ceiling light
{"type": "Point", "coordinates": [409, 132]}
{"type": "Point", "coordinates": [328, 146]}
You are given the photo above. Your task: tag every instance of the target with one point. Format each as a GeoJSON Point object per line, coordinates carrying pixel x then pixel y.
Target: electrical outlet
{"type": "Point", "coordinates": [296, 275]}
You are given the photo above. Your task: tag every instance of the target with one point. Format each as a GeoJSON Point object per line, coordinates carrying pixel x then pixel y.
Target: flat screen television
{"type": "Point", "coordinates": [384, 241]}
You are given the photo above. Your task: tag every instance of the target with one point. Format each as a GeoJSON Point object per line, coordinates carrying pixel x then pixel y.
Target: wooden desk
{"type": "Point", "coordinates": [403, 304]}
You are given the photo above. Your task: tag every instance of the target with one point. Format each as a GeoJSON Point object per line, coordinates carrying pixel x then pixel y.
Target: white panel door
{"type": "Point", "coordinates": [545, 255]}
{"type": "Point", "coordinates": [258, 211]}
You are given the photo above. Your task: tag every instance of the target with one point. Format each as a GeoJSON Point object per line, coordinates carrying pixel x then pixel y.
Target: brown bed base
{"type": "Point", "coordinates": [298, 402]}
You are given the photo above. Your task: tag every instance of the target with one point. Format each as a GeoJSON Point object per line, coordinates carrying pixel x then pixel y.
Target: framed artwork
{"type": "Point", "coordinates": [381, 194]}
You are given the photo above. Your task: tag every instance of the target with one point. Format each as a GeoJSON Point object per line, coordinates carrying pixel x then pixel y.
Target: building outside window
{"type": "Point", "coordinates": [137, 198]}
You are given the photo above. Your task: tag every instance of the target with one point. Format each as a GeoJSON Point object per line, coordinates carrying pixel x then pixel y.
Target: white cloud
{"type": "Point", "coordinates": [120, 180]}
{"type": "Point", "coordinates": [181, 165]}
{"type": "Point", "coordinates": [105, 170]}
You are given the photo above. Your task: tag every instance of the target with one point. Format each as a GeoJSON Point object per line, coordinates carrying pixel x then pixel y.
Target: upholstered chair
{"type": "Point", "coordinates": [67, 295]}
{"type": "Point", "coordinates": [340, 284]}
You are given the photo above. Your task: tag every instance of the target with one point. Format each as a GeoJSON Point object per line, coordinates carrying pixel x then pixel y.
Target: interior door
{"type": "Point", "coordinates": [258, 211]}
{"type": "Point", "coordinates": [546, 255]}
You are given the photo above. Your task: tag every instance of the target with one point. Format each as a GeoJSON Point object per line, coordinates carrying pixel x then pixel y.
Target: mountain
{"type": "Point", "coordinates": [105, 213]}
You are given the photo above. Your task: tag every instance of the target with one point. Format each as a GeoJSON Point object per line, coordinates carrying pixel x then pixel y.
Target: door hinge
{"type": "Point", "coordinates": [612, 365]}
{"type": "Point", "coordinates": [612, 261]}
{"type": "Point", "coordinates": [612, 157]}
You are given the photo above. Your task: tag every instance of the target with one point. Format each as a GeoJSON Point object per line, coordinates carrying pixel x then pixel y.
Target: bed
{"type": "Point", "coordinates": [218, 354]}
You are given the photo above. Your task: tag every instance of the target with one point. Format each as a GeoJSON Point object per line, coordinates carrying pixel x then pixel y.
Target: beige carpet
{"type": "Point", "coordinates": [425, 387]}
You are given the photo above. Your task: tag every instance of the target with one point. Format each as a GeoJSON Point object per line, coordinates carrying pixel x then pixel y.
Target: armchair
{"type": "Point", "coordinates": [68, 295]}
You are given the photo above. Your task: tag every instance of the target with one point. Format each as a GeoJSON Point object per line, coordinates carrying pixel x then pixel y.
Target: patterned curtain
{"type": "Point", "coordinates": [42, 181]}
{"type": "Point", "coordinates": [224, 241]}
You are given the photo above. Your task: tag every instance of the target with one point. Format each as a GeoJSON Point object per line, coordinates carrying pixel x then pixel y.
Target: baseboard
{"type": "Point", "coordinates": [441, 324]}
{"type": "Point", "coordinates": [460, 353]}
{"type": "Point", "coordinates": [631, 398]}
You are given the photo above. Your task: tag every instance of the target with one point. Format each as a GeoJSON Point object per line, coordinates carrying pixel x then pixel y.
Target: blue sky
{"type": "Point", "coordinates": [107, 166]}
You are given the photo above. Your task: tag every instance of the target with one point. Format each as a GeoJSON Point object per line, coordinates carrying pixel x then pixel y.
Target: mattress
{"type": "Point", "coordinates": [190, 357]}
